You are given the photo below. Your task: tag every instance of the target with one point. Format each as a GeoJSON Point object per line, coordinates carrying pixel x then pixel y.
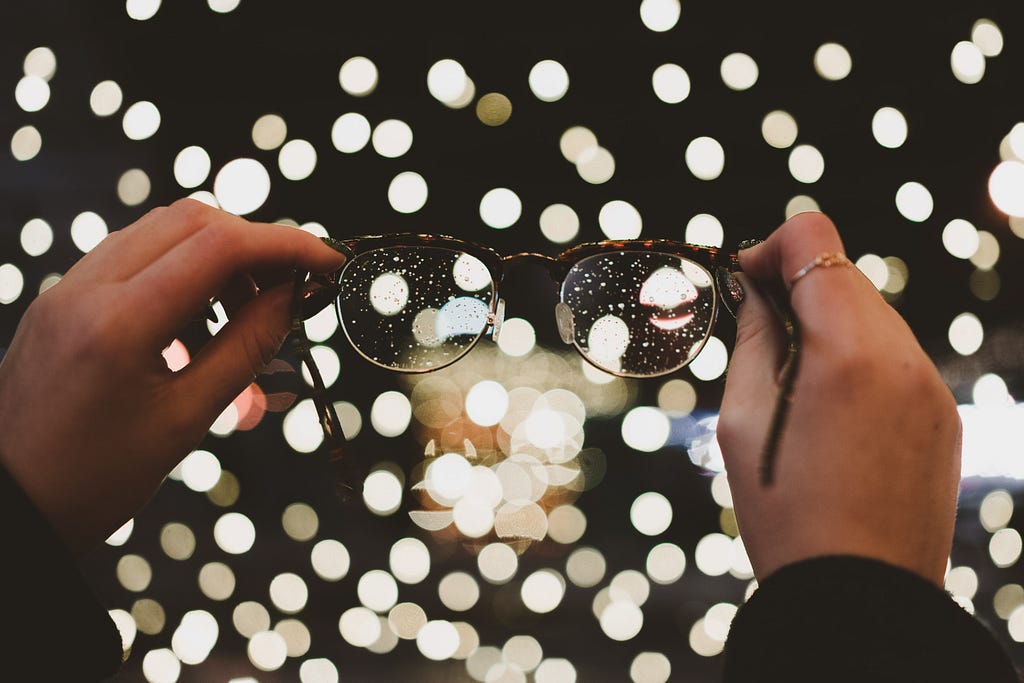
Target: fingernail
{"type": "Point", "coordinates": [747, 244]}
{"type": "Point", "coordinates": [732, 290]}
{"type": "Point", "coordinates": [337, 245]}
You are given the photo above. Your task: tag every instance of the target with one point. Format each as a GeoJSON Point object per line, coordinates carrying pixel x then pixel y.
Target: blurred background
{"type": "Point", "coordinates": [520, 516]}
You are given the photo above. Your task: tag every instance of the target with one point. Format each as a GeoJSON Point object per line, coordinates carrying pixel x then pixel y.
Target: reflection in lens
{"type": "Point", "coordinates": [470, 273]}
{"type": "Point", "coordinates": [389, 294]}
{"type": "Point", "coordinates": [414, 307]}
{"type": "Point", "coordinates": [640, 313]}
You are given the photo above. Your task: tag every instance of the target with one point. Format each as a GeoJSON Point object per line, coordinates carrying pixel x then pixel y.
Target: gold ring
{"type": "Point", "coordinates": [825, 259]}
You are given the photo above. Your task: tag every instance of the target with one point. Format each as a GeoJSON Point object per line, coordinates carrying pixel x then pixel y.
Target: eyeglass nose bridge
{"type": "Point", "coordinates": [566, 322]}
{"type": "Point", "coordinates": [496, 318]}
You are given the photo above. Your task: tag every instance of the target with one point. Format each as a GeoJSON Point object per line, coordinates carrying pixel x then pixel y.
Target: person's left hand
{"type": "Point", "coordinates": [91, 418]}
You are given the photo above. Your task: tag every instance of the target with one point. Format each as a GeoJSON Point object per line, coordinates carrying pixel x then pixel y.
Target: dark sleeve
{"type": "Point", "coordinates": [855, 619]}
{"type": "Point", "coordinates": [53, 624]}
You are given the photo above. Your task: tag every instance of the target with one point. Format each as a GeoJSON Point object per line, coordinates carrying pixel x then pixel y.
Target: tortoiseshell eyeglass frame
{"type": "Point", "coordinates": [315, 291]}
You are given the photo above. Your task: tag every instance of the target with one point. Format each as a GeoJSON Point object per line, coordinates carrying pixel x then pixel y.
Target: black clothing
{"type": "Point", "coordinates": [827, 619]}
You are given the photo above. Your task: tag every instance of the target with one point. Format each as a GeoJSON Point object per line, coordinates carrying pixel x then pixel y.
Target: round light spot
{"type": "Point", "coordinates": [177, 541]}
{"type": "Point", "coordinates": [555, 670]}
{"type": "Point", "coordinates": [358, 76]}
{"type": "Point", "coordinates": [458, 591]}
{"type": "Point", "coordinates": [966, 334]}
{"type": "Point", "coordinates": [873, 266]}
{"type": "Point", "coordinates": [967, 62]}
{"type": "Point", "coordinates": [986, 35]}
{"type": "Point", "coordinates": [575, 141]}
{"type": "Point", "coordinates": [889, 127]}
{"type": "Point", "coordinates": [666, 563]}
{"type": "Point", "coordinates": [26, 143]}
{"type": "Point", "coordinates": [800, 204]}
{"type": "Point", "coordinates": [350, 132]}
{"type": "Point", "coordinates": [409, 560]}
{"type": "Point", "coordinates": [651, 513]}
{"type": "Point", "coordinates": [960, 238]}
{"type": "Point", "coordinates": [269, 132]}
{"type": "Point", "coordinates": [297, 159]}
{"type": "Point", "coordinates": [133, 187]}
{"type": "Point", "coordinates": [234, 533]}
{"type": "Point", "coordinates": [645, 429]}
{"type": "Point", "coordinates": [711, 362]}
{"type": "Point", "coordinates": [406, 619]}
{"type": "Point", "coordinates": [739, 71]}
{"type": "Point", "coordinates": [391, 413]}
{"type": "Point", "coordinates": [161, 666]}
{"type": "Point", "coordinates": [832, 61]}
{"type": "Point", "coordinates": [1005, 547]}
{"type": "Point", "coordinates": [106, 98]}
{"type": "Point", "coordinates": [493, 109]}
{"type": "Point", "coordinates": [549, 80]}
{"type": "Point", "coordinates": [223, 7]}
{"type": "Point", "coordinates": [392, 138]}
{"type": "Point", "coordinates": [620, 220]}
{"type": "Point", "coordinates": [382, 492]}
{"type": "Point", "coordinates": [407, 192]}
{"type": "Point", "coordinates": [806, 163]}
{"type": "Point", "coordinates": [437, 640]}
{"type": "Point", "coordinates": [779, 129]}
{"type": "Point", "coordinates": [542, 591]}
{"type": "Point", "coordinates": [914, 201]}
{"type": "Point", "coordinates": [497, 563]}
{"type": "Point", "coordinates": [377, 590]}
{"type": "Point", "coordinates": [705, 229]}
{"type": "Point", "coordinates": [996, 510]}
{"type": "Point", "coordinates": [585, 567]}
{"type": "Point", "coordinates": [621, 620]}
{"type": "Point", "coordinates": [134, 573]}
{"type": "Point", "coordinates": [32, 93]}
{"type": "Point", "coordinates": [288, 592]}
{"type": "Point", "coordinates": [36, 237]}
{"type": "Point", "coordinates": [596, 165]}
{"type": "Point", "coordinates": [446, 81]}
{"type": "Point", "coordinates": [659, 15]}
{"type": "Point", "coordinates": [566, 524]}
{"type": "Point", "coordinates": [88, 230]}
{"type": "Point", "coordinates": [242, 186]}
{"type": "Point", "coordinates": [486, 403]}
{"type": "Point", "coordinates": [559, 223]}
{"type": "Point", "coordinates": [330, 559]}
{"type": "Point", "coordinates": [359, 626]}
{"type": "Point", "coordinates": [40, 62]}
{"type": "Point", "coordinates": [301, 427]}
{"type": "Point", "coordinates": [192, 166]}
{"type": "Point", "coordinates": [671, 83]}
{"type": "Point", "coordinates": [705, 158]}
{"type": "Point", "coordinates": [217, 581]}
{"type": "Point", "coordinates": [713, 554]}
{"type": "Point", "coordinates": [141, 10]}
{"type": "Point", "coordinates": [1006, 187]}
{"type": "Point", "coordinates": [650, 667]}
{"type": "Point", "coordinates": [500, 208]}
{"type": "Point", "coordinates": [141, 121]}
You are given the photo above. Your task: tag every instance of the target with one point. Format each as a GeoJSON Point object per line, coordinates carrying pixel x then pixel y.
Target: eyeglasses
{"type": "Point", "coordinates": [417, 303]}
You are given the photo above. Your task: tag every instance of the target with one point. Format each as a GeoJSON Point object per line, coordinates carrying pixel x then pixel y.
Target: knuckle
{"type": "Point", "coordinates": [189, 209]}
{"type": "Point", "coordinates": [810, 226]}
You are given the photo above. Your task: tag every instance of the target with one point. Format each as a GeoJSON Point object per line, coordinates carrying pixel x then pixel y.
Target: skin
{"type": "Point", "coordinates": [91, 419]}
{"type": "Point", "coordinates": [869, 462]}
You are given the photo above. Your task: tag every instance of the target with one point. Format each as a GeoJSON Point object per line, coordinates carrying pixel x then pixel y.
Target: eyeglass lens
{"type": "Point", "coordinates": [414, 308]}
{"type": "Point", "coordinates": [640, 313]}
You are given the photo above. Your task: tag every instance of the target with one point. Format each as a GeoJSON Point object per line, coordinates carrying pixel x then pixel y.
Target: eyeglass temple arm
{"type": "Point", "coordinates": [301, 309]}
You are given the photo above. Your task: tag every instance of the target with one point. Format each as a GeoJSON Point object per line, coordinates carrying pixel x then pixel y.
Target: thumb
{"type": "Point", "coordinates": [229, 362]}
{"type": "Point", "coordinates": [751, 384]}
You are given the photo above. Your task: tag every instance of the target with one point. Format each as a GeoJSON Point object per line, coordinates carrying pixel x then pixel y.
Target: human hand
{"type": "Point", "coordinates": [91, 418]}
{"type": "Point", "coordinates": [868, 463]}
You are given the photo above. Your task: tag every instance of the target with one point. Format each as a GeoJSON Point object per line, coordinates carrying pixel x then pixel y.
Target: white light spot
{"type": "Point", "coordinates": [914, 201]}
{"type": "Point", "coordinates": [659, 15]}
{"type": "Point", "coordinates": [133, 187]}
{"type": "Point", "coordinates": [1005, 547]}
{"type": "Point", "coordinates": [486, 403]}
{"type": "Point", "coordinates": [32, 93]}
{"type": "Point", "coordinates": [806, 163]}
{"type": "Point", "coordinates": [437, 640]}
{"type": "Point", "coordinates": [500, 208]}
{"type": "Point", "coordinates": [141, 10]}
{"type": "Point", "coordinates": [889, 127]}
{"type": "Point", "coordinates": [549, 80]}
{"type": "Point", "coordinates": [269, 131]}
{"type": "Point", "coordinates": [200, 470]}
{"type": "Point", "coordinates": [621, 620]}
{"type": "Point", "coordinates": [192, 166]}
{"type": "Point", "coordinates": [779, 129]}
{"type": "Point", "coordinates": [559, 223]}
{"type": "Point", "coordinates": [382, 492]}
{"type": "Point", "coordinates": [359, 626]}
{"type": "Point", "coordinates": [713, 554]}
{"type": "Point", "coordinates": [409, 560]}
{"type": "Point", "coordinates": [234, 533]}
{"type": "Point", "coordinates": [712, 360]}
{"type": "Point", "coordinates": [575, 141]}
{"type": "Point", "coordinates": [392, 138]}
{"type": "Point", "coordinates": [651, 513]}
{"type": "Point", "coordinates": [967, 62]}
{"type": "Point", "coordinates": [497, 563]}
{"type": "Point", "coordinates": [671, 83]}
{"type": "Point", "coordinates": [106, 98]}
{"type": "Point", "coordinates": [596, 165]}
{"type": "Point", "coordinates": [1006, 187]}
{"type": "Point", "coordinates": [40, 62]}
{"type": "Point", "coordinates": [542, 591]}
{"type": "Point", "coordinates": [377, 590]}
{"type": "Point", "coordinates": [223, 7]}
{"type": "Point", "coordinates": [446, 81]}
{"type": "Point", "coordinates": [289, 592]}
{"type": "Point", "coordinates": [330, 559]}
{"type": "Point", "coordinates": [297, 159]}
{"type": "Point", "coordinates": [739, 71]}
{"type": "Point", "coordinates": [358, 76]}
{"type": "Point", "coordinates": [161, 666]}
{"type": "Point", "coordinates": [960, 238]}
{"type": "Point", "coordinates": [36, 237]}
{"type": "Point", "coordinates": [966, 334]}
{"type": "Point", "coordinates": [650, 667]}
{"type": "Point", "coordinates": [987, 36]}
{"type": "Point", "coordinates": [26, 143]}
{"type": "Point", "coordinates": [620, 220]}
{"type": "Point", "coordinates": [141, 121]}
{"type": "Point", "coordinates": [350, 132]}
{"type": "Point", "coordinates": [705, 229]}
{"type": "Point", "coordinates": [391, 413]}
{"type": "Point", "coordinates": [407, 192]}
{"type": "Point", "coordinates": [666, 563]}
{"type": "Point", "coordinates": [242, 186]}
{"type": "Point", "coordinates": [301, 427]}
{"type": "Point", "coordinates": [88, 230]}
{"type": "Point", "coordinates": [705, 158]}
{"type": "Point", "coordinates": [832, 61]}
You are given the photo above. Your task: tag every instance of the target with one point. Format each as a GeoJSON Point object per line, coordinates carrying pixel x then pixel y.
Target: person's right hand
{"type": "Point", "coordinates": [869, 459]}
{"type": "Point", "coordinates": [91, 418]}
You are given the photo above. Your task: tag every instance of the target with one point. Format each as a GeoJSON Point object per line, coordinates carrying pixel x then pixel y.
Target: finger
{"type": "Point", "coordinates": [195, 270]}
{"type": "Point", "coordinates": [229, 362]}
{"type": "Point", "coordinates": [239, 291]}
{"type": "Point", "coordinates": [826, 298]}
